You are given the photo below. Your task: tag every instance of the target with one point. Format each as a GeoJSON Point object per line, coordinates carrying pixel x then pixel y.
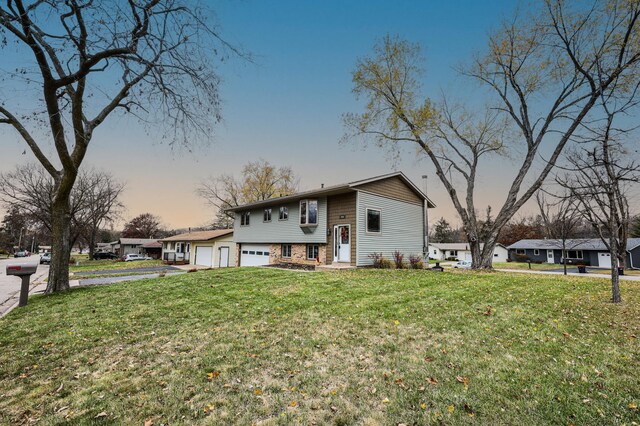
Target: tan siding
{"type": "Point", "coordinates": [341, 205]}
{"type": "Point", "coordinates": [392, 187]}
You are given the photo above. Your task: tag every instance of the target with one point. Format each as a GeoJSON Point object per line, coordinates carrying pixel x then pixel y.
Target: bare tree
{"type": "Point", "coordinates": [561, 220]}
{"type": "Point", "coordinates": [599, 179]}
{"type": "Point", "coordinates": [546, 72]}
{"type": "Point", "coordinates": [152, 59]}
{"type": "Point", "coordinates": [260, 180]}
{"type": "Point", "coordinates": [94, 199]}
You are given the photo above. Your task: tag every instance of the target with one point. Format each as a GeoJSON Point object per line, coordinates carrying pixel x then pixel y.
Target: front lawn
{"type": "Point", "coordinates": [264, 346]}
{"type": "Point", "coordinates": [525, 265]}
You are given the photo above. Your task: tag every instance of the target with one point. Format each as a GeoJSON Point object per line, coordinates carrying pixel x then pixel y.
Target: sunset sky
{"type": "Point", "coordinates": [286, 106]}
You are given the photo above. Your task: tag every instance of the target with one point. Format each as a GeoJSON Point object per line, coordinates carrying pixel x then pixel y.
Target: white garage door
{"type": "Point", "coordinates": [254, 255]}
{"type": "Point", "coordinates": [604, 260]}
{"type": "Point", "coordinates": [204, 256]}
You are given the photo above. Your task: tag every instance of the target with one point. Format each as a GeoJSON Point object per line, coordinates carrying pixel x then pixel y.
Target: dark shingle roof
{"type": "Point", "coordinates": [572, 244]}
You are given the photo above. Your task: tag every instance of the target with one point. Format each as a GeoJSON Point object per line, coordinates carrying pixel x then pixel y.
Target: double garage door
{"type": "Point", "coordinates": [254, 255]}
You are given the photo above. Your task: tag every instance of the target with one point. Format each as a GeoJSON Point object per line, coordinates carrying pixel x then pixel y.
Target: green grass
{"type": "Point", "coordinates": [247, 346]}
{"type": "Point", "coordinates": [104, 265]}
{"type": "Point", "coordinates": [525, 265]}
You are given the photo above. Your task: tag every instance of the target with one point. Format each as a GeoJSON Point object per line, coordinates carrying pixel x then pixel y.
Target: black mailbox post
{"type": "Point", "coordinates": [24, 271]}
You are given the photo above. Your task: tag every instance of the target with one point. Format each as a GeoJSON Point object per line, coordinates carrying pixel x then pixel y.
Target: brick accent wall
{"type": "Point", "coordinates": [298, 254]}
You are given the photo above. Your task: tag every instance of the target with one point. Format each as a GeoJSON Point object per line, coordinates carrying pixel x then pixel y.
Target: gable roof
{"type": "Point", "coordinates": [199, 235]}
{"type": "Point", "coordinates": [571, 244]}
{"type": "Point", "coordinates": [334, 190]}
{"type": "Point", "coordinates": [136, 241]}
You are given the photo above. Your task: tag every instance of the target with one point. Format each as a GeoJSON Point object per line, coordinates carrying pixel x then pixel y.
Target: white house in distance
{"type": "Point", "coordinates": [461, 251]}
{"type": "Point", "coordinates": [201, 248]}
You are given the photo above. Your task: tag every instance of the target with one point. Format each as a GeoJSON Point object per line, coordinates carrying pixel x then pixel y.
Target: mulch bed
{"type": "Point", "coordinates": [297, 266]}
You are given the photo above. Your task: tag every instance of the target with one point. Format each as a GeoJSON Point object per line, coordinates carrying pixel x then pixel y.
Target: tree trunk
{"type": "Point", "coordinates": [61, 246]}
{"type": "Point", "coordinates": [615, 276]}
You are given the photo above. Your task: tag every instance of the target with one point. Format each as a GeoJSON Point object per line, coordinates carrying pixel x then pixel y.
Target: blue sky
{"type": "Point", "coordinates": [286, 106]}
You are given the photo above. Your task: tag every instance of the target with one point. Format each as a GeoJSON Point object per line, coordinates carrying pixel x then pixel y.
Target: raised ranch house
{"type": "Point", "coordinates": [201, 248]}
{"type": "Point", "coordinates": [341, 224]}
{"type": "Point", "coordinates": [584, 251]}
{"type": "Point", "coordinates": [461, 251]}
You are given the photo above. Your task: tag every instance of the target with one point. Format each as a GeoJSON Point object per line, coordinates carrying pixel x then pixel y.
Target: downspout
{"type": "Point", "coordinates": [426, 221]}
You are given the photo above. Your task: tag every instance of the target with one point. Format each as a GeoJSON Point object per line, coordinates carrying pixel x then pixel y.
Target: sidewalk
{"type": "Point", "coordinates": [571, 274]}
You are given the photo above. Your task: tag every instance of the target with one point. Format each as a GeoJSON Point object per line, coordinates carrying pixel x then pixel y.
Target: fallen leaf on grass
{"type": "Point", "coordinates": [423, 406]}
{"type": "Point", "coordinates": [293, 403]}
{"type": "Point", "coordinates": [451, 408]}
{"type": "Point", "coordinates": [565, 334]}
{"type": "Point", "coordinates": [633, 406]}
{"type": "Point", "coordinates": [432, 380]}
{"type": "Point", "coordinates": [148, 422]}
{"type": "Point", "coordinates": [396, 322]}
{"type": "Point", "coordinates": [60, 388]}
{"type": "Point", "coordinates": [463, 380]}
{"type": "Point", "coordinates": [258, 391]}
{"type": "Point", "coordinates": [101, 415]}
{"type": "Point", "coordinates": [213, 375]}
{"type": "Point", "coordinates": [469, 410]}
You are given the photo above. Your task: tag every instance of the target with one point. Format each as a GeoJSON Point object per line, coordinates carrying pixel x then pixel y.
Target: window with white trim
{"type": "Point", "coordinates": [266, 217]}
{"type": "Point", "coordinates": [373, 221]}
{"type": "Point", "coordinates": [520, 251]}
{"type": "Point", "coordinates": [574, 254]}
{"type": "Point", "coordinates": [313, 251]}
{"type": "Point", "coordinates": [536, 252]}
{"type": "Point", "coordinates": [245, 218]}
{"type": "Point", "coordinates": [286, 250]}
{"type": "Point", "coordinates": [284, 213]}
{"type": "Point", "coordinates": [308, 212]}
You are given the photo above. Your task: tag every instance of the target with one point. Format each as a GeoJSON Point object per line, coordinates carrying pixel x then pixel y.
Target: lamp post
{"type": "Point", "coordinates": [426, 219]}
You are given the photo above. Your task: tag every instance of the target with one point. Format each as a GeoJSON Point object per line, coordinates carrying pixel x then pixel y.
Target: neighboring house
{"type": "Point", "coordinates": [127, 246]}
{"type": "Point", "coordinates": [587, 251]}
{"type": "Point", "coordinates": [461, 251]}
{"type": "Point", "coordinates": [152, 249]}
{"type": "Point", "coordinates": [202, 248]}
{"type": "Point", "coordinates": [44, 249]}
{"type": "Point", "coordinates": [341, 224]}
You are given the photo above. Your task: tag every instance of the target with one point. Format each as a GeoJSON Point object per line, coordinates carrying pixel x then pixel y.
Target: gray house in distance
{"type": "Point", "coordinates": [586, 251]}
{"type": "Point", "coordinates": [340, 224]}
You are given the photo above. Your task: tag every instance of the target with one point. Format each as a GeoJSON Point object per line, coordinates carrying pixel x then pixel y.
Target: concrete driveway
{"type": "Point", "coordinates": [10, 286]}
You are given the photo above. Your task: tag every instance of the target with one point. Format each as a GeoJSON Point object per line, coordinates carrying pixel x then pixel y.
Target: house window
{"type": "Point", "coordinates": [284, 213]}
{"type": "Point", "coordinates": [574, 254]}
{"type": "Point", "coordinates": [286, 250]}
{"type": "Point", "coordinates": [179, 247]}
{"type": "Point", "coordinates": [312, 251]}
{"type": "Point", "coordinates": [267, 215]}
{"type": "Point", "coordinates": [536, 252]}
{"type": "Point", "coordinates": [309, 212]}
{"type": "Point", "coordinates": [495, 255]}
{"type": "Point", "coordinates": [453, 252]}
{"type": "Point", "coordinates": [435, 252]}
{"type": "Point", "coordinates": [519, 251]}
{"type": "Point", "coordinates": [373, 220]}
{"type": "Point", "coordinates": [245, 217]}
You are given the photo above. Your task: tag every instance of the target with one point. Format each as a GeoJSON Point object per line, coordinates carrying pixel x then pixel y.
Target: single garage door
{"type": "Point", "coordinates": [204, 256]}
{"type": "Point", "coordinates": [254, 255]}
{"type": "Point", "coordinates": [604, 260]}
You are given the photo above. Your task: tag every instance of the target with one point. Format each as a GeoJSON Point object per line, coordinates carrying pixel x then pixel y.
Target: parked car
{"type": "Point", "coordinates": [131, 257]}
{"type": "Point", "coordinates": [462, 264]}
{"type": "Point", "coordinates": [45, 259]}
{"type": "Point", "coordinates": [22, 253]}
{"type": "Point", "coordinates": [104, 255]}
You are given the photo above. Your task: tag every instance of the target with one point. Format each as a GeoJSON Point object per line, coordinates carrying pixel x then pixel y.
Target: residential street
{"type": "Point", "coordinates": [10, 286]}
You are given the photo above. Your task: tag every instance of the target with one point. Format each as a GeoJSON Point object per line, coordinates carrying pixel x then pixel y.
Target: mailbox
{"type": "Point", "coordinates": [23, 270]}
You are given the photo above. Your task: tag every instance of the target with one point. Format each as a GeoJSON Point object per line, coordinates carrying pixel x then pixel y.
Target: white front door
{"type": "Point", "coordinates": [224, 257]}
{"type": "Point", "coordinates": [604, 260]}
{"type": "Point", "coordinates": [342, 243]}
{"type": "Point", "coordinates": [550, 258]}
